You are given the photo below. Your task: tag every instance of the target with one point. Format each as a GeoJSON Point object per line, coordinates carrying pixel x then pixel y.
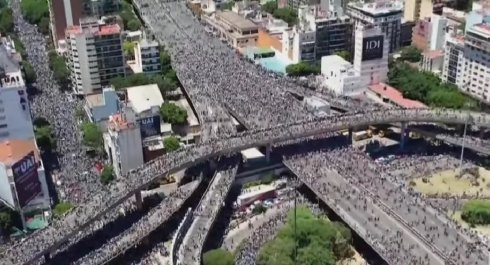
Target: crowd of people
{"type": "Point", "coordinates": [373, 201]}
{"type": "Point", "coordinates": [214, 77]}
{"type": "Point", "coordinates": [141, 228]}
{"type": "Point", "coordinates": [205, 214]}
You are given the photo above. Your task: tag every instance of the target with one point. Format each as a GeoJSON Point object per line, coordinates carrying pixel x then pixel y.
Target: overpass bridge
{"type": "Point", "coordinates": [132, 183]}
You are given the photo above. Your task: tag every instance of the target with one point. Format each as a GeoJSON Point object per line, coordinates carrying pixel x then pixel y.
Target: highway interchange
{"type": "Point", "coordinates": [117, 193]}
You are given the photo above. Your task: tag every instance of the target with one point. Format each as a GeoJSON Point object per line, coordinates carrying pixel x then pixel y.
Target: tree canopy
{"type": "Point", "coordinates": [302, 69]}
{"type": "Point", "coordinates": [130, 20]}
{"type": "Point", "coordinates": [319, 242]}
{"type": "Point", "coordinates": [410, 54]}
{"type": "Point", "coordinates": [29, 73]}
{"type": "Point", "coordinates": [427, 88]}
{"type": "Point", "coordinates": [128, 48]}
{"type": "Point", "coordinates": [228, 5]}
{"type": "Point", "coordinates": [6, 20]}
{"type": "Point", "coordinates": [5, 221]}
{"type": "Point", "coordinates": [60, 70]}
{"type": "Point", "coordinates": [218, 257]}
{"type": "Point", "coordinates": [289, 15]}
{"type": "Point", "coordinates": [61, 208]}
{"type": "Point", "coordinates": [476, 212]}
{"type": "Point", "coordinates": [171, 144]}
{"type": "Point", "coordinates": [44, 138]}
{"type": "Point", "coordinates": [36, 12]}
{"type": "Point", "coordinates": [345, 54]}
{"type": "Point", "coordinates": [173, 114]}
{"type": "Point", "coordinates": [107, 174]}
{"type": "Point", "coordinates": [92, 136]}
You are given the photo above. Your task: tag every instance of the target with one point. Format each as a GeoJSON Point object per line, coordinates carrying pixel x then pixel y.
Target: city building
{"type": "Point", "coordinates": [371, 48]}
{"type": "Point", "coordinates": [100, 106]}
{"type": "Point", "coordinates": [332, 33]}
{"type": "Point", "coordinates": [23, 185]}
{"type": "Point", "coordinates": [339, 76]}
{"type": "Point", "coordinates": [385, 15]}
{"type": "Point", "coordinates": [476, 72]}
{"type": "Point", "coordinates": [415, 10]}
{"type": "Point", "coordinates": [478, 14]}
{"type": "Point", "coordinates": [66, 13]}
{"type": "Point", "coordinates": [406, 31]}
{"type": "Point", "coordinates": [454, 61]}
{"type": "Point", "coordinates": [189, 133]}
{"type": "Point", "coordinates": [95, 55]}
{"type": "Point", "coordinates": [429, 33]}
{"type": "Point", "coordinates": [15, 115]}
{"type": "Point", "coordinates": [432, 61]}
{"type": "Point", "coordinates": [232, 28]}
{"type": "Point", "coordinates": [147, 57]}
{"type": "Point", "coordinates": [122, 142]}
{"type": "Point", "coordinates": [390, 96]}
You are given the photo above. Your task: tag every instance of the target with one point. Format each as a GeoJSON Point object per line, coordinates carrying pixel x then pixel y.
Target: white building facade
{"type": "Point", "coordinates": [122, 142]}
{"type": "Point", "coordinates": [147, 56]}
{"type": "Point", "coordinates": [371, 48]}
{"type": "Point", "coordinates": [340, 76]}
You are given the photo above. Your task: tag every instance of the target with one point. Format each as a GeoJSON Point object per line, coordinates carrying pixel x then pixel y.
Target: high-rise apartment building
{"type": "Point", "coordinates": [429, 33]}
{"type": "Point", "coordinates": [147, 56]}
{"type": "Point", "coordinates": [325, 33]}
{"type": "Point", "coordinates": [66, 13]}
{"type": "Point", "coordinates": [420, 9]}
{"type": "Point", "coordinates": [95, 55]}
{"type": "Point", "coordinates": [371, 55]}
{"type": "Point", "coordinates": [385, 15]}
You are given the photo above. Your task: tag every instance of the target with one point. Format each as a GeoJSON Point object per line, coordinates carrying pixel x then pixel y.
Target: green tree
{"type": "Point", "coordinates": [128, 48]}
{"type": "Point", "coordinates": [270, 7]}
{"type": "Point", "coordinates": [171, 75]}
{"type": "Point", "coordinates": [345, 54]}
{"type": "Point", "coordinates": [302, 69]}
{"type": "Point", "coordinates": [476, 212]}
{"type": "Point", "coordinates": [5, 221]}
{"type": "Point", "coordinates": [171, 144]}
{"type": "Point", "coordinates": [139, 79]}
{"type": "Point", "coordinates": [60, 70]}
{"type": "Point", "coordinates": [134, 24]}
{"type": "Point", "coordinates": [44, 138]}
{"type": "Point", "coordinates": [44, 25]}
{"type": "Point", "coordinates": [228, 5]}
{"type": "Point", "coordinates": [40, 122]}
{"type": "Point", "coordinates": [29, 73]}
{"type": "Point", "coordinates": [107, 174]}
{"type": "Point", "coordinates": [3, 3]}
{"type": "Point", "coordinates": [92, 136]}
{"type": "Point", "coordinates": [410, 54]}
{"type": "Point", "coordinates": [6, 20]}
{"type": "Point", "coordinates": [173, 114]}
{"type": "Point", "coordinates": [218, 257]}
{"type": "Point", "coordinates": [165, 61]}
{"type": "Point", "coordinates": [165, 84]}
{"type": "Point", "coordinates": [34, 10]}
{"type": "Point", "coordinates": [61, 208]}
{"type": "Point", "coordinates": [287, 14]}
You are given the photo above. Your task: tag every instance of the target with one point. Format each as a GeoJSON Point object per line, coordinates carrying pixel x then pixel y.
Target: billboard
{"type": "Point", "coordinates": [149, 126]}
{"type": "Point", "coordinates": [26, 179]}
{"type": "Point", "coordinates": [372, 48]}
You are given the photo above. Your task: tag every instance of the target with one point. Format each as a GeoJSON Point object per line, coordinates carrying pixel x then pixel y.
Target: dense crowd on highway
{"type": "Point", "coordinates": [367, 190]}
{"type": "Point", "coordinates": [258, 98]}
{"type": "Point", "coordinates": [206, 213]}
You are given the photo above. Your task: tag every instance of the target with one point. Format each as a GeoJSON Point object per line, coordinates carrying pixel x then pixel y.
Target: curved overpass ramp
{"type": "Point", "coordinates": [43, 241]}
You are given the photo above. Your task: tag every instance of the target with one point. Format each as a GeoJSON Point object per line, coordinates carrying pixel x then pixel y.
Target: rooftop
{"type": "Point", "coordinates": [395, 96]}
{"type": "Point", "coordinates": [8, 56]}
{"type": "Point", "coordinates": [144, 97]}
{"type": "Point", "coordinates": [378, 8]}
{"type": "Point", "coordinates": [191, 118]}
{"type": "Point", "coordinates": [118, 122]}
{"type": "Point", "coordinates": [236, 20]}
{"type": "Point", "coordinates": [148, 43]}
{"type": "Point", "coordinates": [481, 29]}
{"type": "Point", "coordinates": [433, 54]}
{"type": "Point", "coordinates": [12, 151]}
{"type": "Point", "coordinates": [101, 30]}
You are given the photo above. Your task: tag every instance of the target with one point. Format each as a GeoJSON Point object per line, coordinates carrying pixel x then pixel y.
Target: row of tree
{"type": "Point", "coordinates": [476, 212]}
{"type": "Point", "coordinates": [57, 64]}
{"type": "Point", "coordinates": [36, 12]}
{"type": "Point", "coordinates": [303, 69]}
{"type": "Point", "coordinates": [129, 18]}
{"type": "Point", "coordinates": [289, 15]}
{"type": "Point", "coordinates": [427, 88]}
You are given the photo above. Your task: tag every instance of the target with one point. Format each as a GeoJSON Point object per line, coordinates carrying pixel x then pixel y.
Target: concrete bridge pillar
{"type": "Point", "coordinates": [403, 135]}
{"type": "Point", "coordinates": [139, 200]}
{"type": "Point", "coordinates": [268, 150]}
{"type": "Point", "coordinates": [349, 137]}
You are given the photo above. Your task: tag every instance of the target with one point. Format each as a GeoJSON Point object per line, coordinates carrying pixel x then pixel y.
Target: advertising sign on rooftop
{"type": "Point", "coordinates": [372, 48]}
{"type": "Point", "coordinates": [149, 126]}
{"type": "Point", "coordinates": [26, 179]}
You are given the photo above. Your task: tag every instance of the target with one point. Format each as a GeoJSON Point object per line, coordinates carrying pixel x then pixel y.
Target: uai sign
{"type": "Point", "coordinates": [26, 179]}
{"type": "Point", "coordinates": [372, 48]}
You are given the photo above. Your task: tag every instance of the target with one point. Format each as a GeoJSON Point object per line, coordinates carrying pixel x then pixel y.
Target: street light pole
{"type": "Point", "coordinates": [462, 145]}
